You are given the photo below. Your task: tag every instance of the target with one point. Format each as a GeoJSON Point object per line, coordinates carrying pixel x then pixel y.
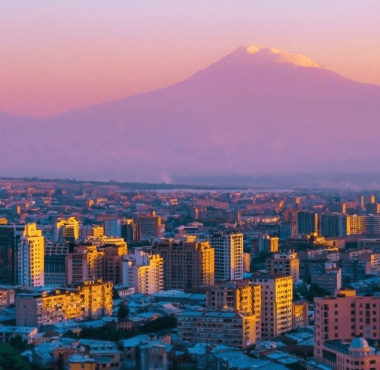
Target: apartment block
{"type": "Point", "coordinates": [55, 256]}
{"type": "Point", "coordinates": [217, 327]}
{"type": "Point", "coordinates": [345, 317]}
{"type": "Point", "coordinates": [66, 230]}
{"type": "Point", "coordinates": [228, 255]}
{"type": "Point", "coordinates": [91, 300]}
{"type": "Point", "coordinates": [286, 263]}
{"type": "Point", "coordinates": [276, 304]}
{"type": "Point", "coordinates": [143, 271]}
{"type": "Point", "coordinates": [186, 264]}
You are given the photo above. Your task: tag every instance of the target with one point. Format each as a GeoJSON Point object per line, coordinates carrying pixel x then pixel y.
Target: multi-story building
{"type": "Point", "coordinates": [300, 315]}
{"type": "Point", "coordinates": [112, 228]}
{"type": "Point", "coordinates": [276, 304]}
{"type": "Point", "coordinates": [228, 256]}
{"type": "Point", "coordinates": [241, 296]}
{"type": "Point", "coordinates": [217, 327]}
{"type": "Point", "coordinates": [330, 279]}
{"type": "Point", "coordinates": [7, 296]}
{"type": "Point", "coordinates": [307, 223]}
{"type": "Point", "coordinates": [148, 227]}
{"type": "Point", "coordinates": [30, 257]}
{"type": "Point", "coordinates": [92, 262]}
{"type": "Point", "coordinates": [267, 243]}
{"type": "Point", "coordinates": [66, 230]}
{"type": "Point", "coordinates": [55, 256]}
{"type": "Point", "coordinates": [143, 271]}
{"type": "Point", "coordinates": [186, 264]}
{"type": "Point", "coordinates": [10, 236]}
{"type": "Point", "coordinates": [129, 230]}
{"type": "Point", "coordinates": [88, 231]}
{"type": "Point", "coordinates": [286, 263]}
{"type": "Point", "coordinates": [89, 300]}
{"type": "Point", "coordinates": [333, 224]}
{"type": "Point", "coordinates": [345, 317]}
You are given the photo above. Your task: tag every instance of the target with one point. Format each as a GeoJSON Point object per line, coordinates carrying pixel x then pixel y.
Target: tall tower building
{"type": "Point", "coordinates": [10, 236]}
{"type": "Point", "coordinates": [307, 222]}
{"type": "Point", "coordinates": [228, 256]}
{"type": "Point", "coordinates": [276, 304]}
{"type": "Point", "coordinates": [30, 257]}
{"type": "Point", "coordinates": [148, 227]}
{"type": "Point", "coordinates": [186, 264]}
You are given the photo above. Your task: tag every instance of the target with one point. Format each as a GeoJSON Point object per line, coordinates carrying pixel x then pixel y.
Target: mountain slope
{"type": "Point", "coordinates": [254, 111]}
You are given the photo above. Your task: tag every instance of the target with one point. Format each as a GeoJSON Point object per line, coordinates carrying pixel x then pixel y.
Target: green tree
{"type": "Point", "coordinates": [17, 342]}
{"type": "Point", "coordinates": [123, 311]}
{"type": "Point", "coordinates": [10, 359]}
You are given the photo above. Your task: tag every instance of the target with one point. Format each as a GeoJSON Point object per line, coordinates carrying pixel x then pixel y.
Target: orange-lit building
{"type": "Point", "coordinates": [90, 300]}
{"type": "Point", "coordinates": [186, 264]}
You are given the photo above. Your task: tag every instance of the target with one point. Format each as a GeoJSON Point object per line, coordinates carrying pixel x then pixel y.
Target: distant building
{"type": "Point", "coordinates": [112, 228]}
{"type": "Point", "coordinates": [143, 271]}
{"type": "Point", "coordinates": [129, 230]}
{"type": "Point", "coordinates": [55, 256]}
{"type": "Point", "coordinates": [300, 313]}
{"type": "Point", "coordinates": [286, 263]}
{"type": "Point", "coordinates": [330, 279]}
{"type": "Point", "coordinates": [88, 231]}
{"type": "Point", "coordinates": [30, 257]}
{"type": "Point", "coordinates": [307, 222]}
{"type": "Point", "coordinates": [148, 227]}
{"type": "Point", "coordinates": [268, 243]}
{"type": "Point", "coordinates": [276, 304]}
{"type": "Point", "coordinates": [10, 236]}
{"type": "Point", "coordinates": [217, 327]}
{"type": "Point", "coordinates": [66, 230]}
{"type": "Point", "coordinates": [333, 225]}
{"type": "Point", "coordinates": [186, 264]}
{"type": "Point", "coordinates": [228, 256]}
{"type": "Point", "coordinates": [90, 300]}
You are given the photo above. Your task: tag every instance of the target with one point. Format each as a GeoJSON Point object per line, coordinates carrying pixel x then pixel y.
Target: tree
{"type": "Point", "coordinates": [123, 311]}
{"type": "Point", "coordinates": [10, 359]}
{"type": "Point", "coordinates": [20, 344]}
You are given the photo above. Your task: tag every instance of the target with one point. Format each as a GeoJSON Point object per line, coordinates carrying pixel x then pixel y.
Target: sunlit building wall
{"type": "Point", "coordinates": [30, 257]}
{"type": "Point", "coordinates": [66, 230]}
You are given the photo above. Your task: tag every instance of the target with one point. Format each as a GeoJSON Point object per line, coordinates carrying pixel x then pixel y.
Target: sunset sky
{"type": "Point", "coordinates": [62, 55]}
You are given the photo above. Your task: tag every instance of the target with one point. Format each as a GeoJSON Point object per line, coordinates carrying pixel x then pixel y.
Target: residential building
{"type": "Point", "coordinates": [333, 224]}
{"type": "Point", "coordinates": [307, 223]}
{"type": "Point", "coordinates": [228, 255]}
{"type": "Point", "coordinates": [7, 296]}
{"type": "Point", "coordinates": [345, 317]}
{"type": "Point", "coordinates": [217, 327]}
{"type": "Point", "coordinates": [276, 304]}
{"type": "Point", "coordinates": [55, 257]}
{"type": "Point", "coordinates": [88, 231]}
{"type": "Point", "coordinates": [66, 230]}
{"type": "Point", "coordinates": [143, 271]}
{"type": "Point", "coordinates": [241, 296]}
{"type": "Point", "coordinates": [186, 264]}
{"type": "Point", "coordinates": [268, 243]}
{"type": "Point", "coordinates": [10, 236]}
{"type": "Point", "coordinates": [30, 257]}
{"type": "Point", "coordinates": [300, 314]}
{"type": "Point", "coordinates": [112, 228]}
{"type": "Point", "coordinates": [149, 227]}
{"type": "Point", "coordinates": [89, 300]}
{"type": "Point", "coordinates": [330, 279]}
{"type": "Point", "coordinates": [129, 230]}
{"type": "Point", "coordinates": [286, 263]}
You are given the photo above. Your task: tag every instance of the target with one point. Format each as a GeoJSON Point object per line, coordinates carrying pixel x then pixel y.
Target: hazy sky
{"type": "Point", "coordinates": [61, 55]}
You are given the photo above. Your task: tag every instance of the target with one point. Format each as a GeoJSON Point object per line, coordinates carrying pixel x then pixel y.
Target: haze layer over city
{"type": "Point", "coordinates": [189, 185]}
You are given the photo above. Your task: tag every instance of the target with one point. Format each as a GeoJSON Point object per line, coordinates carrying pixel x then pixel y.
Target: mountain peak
{"type": "Point", "coordinates": [275, 56]}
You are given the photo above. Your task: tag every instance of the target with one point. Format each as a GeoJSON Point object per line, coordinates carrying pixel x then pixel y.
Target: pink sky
{"type": "Point", "coordinates": [58, 55]}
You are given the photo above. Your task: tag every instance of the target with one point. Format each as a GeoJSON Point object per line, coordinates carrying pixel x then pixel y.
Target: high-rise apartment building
{"type": "Point", "coordinates": [344, 318]}
{"type": "Point", "coordinates": [276, 304]}
{"type": "Point", "coordinates": [148, 227]}
{"type": "Point", "coordinates": [228, 256]}
{"type": "Point", "coordinates": [286, 263]}
{"type": "Point", "coordinates": [89, 300]}
{"type": "Point", "coordinates": [186, 264]}
{"type": "Point", "coordinates": [30, 257]}
{"type": "Point", "coordinates": [333, 225]}
{"type": "Point", "coordinates": [330, 279]}
{"type": "Point", "coordinates": [268, 243]}
{"type": "Point", "coordinates": [66, 230]}
{"type": "Point", "coordinates": [97, 258]}
{"type": "Point", "coordinates": [307, 222]}
{"type": "Point", "coordinates": [129, 230]}
{"type": "Point", "coordinates": [9, 239]}
{"type": "Point", "coordinates": [55, 256]}
{"type": "Point", "coordinates": [241, 296]}
{"type": "Point", "coordinates": [143, 271]}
